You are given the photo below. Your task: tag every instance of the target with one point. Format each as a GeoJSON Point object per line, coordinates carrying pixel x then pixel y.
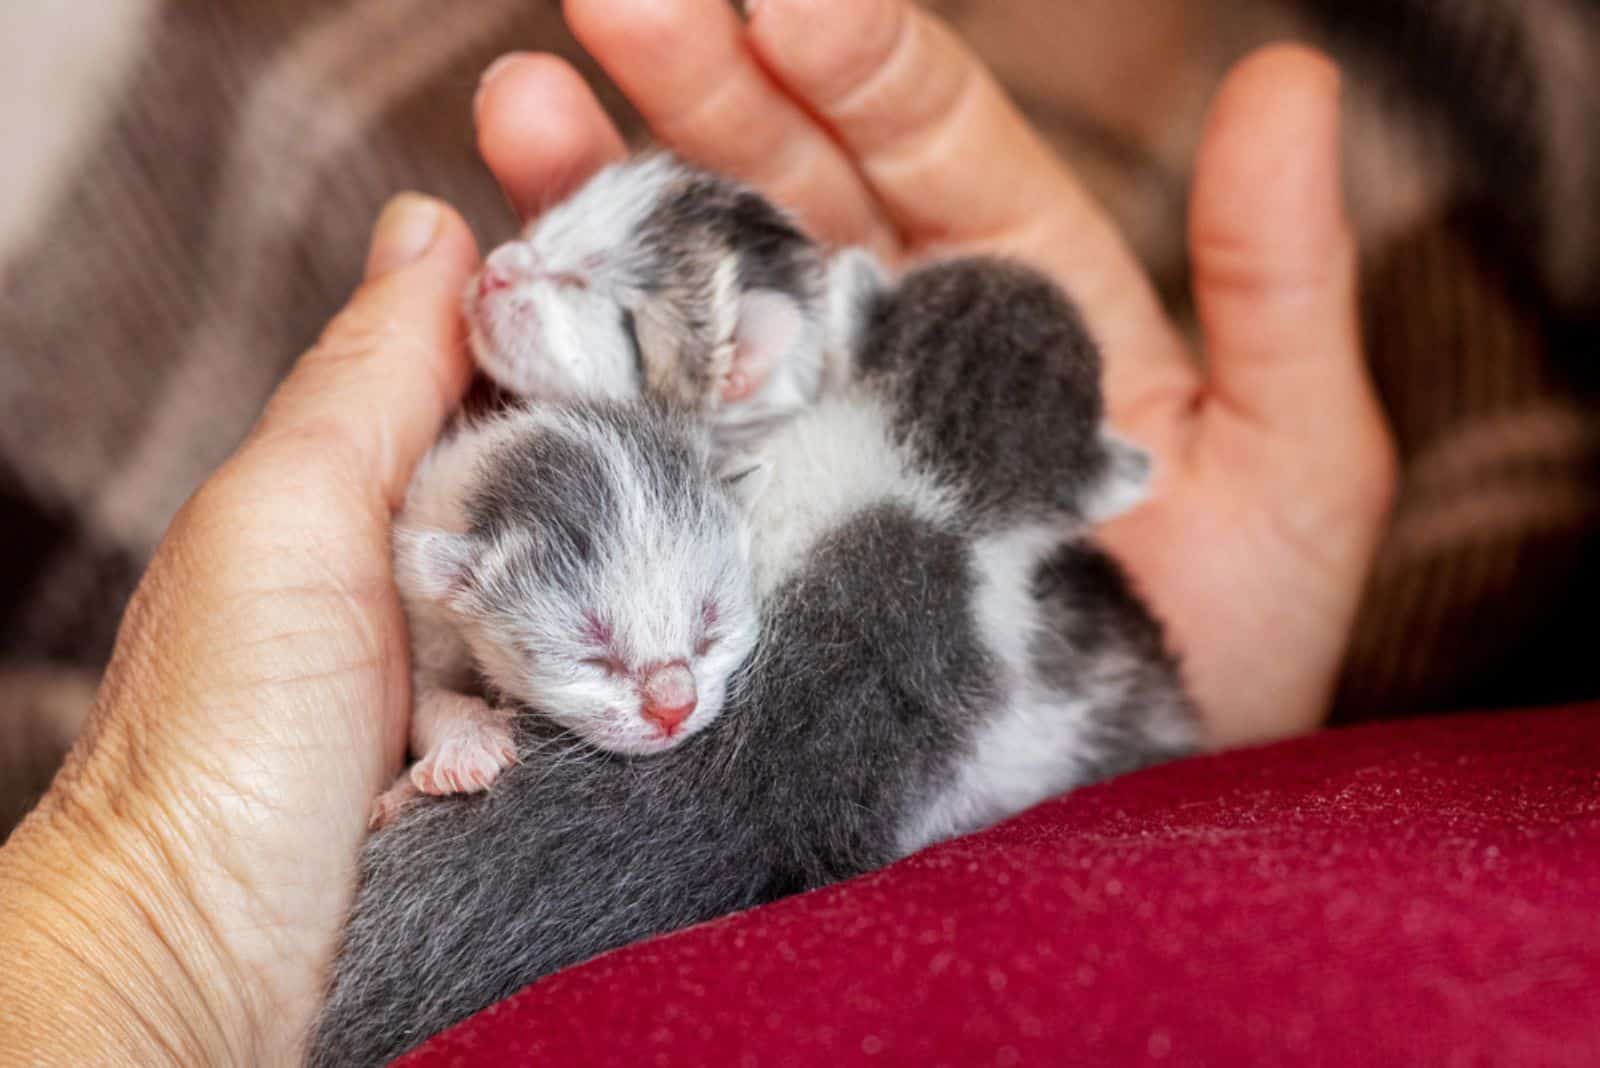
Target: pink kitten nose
{"type": "Point", "coordinates": [492, 281]}
{"type": "Point", "coordinates": [505, 266]}
{"type": "Point", "coordinates": [669, 695]}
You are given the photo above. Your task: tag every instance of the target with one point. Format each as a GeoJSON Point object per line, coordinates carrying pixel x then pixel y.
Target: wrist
{"type": "Point", "coordinates": [118, 963]}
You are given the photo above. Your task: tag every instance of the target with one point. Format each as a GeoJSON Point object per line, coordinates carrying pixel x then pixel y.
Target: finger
{"type": "Point", "coordinates": [952, 161]}
{"type": "Point", "coordinates": [684, 65]}
{"type": "Point", "coordinates": [541, 130]}
{"type": "Point", "coordinates": [1273, 255]}
{"type": "Point", "coordinates": [371, 395]}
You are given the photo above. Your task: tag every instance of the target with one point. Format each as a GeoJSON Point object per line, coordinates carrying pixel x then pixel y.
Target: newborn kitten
{"type": "Point", "coordinates": [659, 278]}
{"type": "Point", "coordinates": [582, 561]}
{"type": "Point", "coordinates": [940, 647]}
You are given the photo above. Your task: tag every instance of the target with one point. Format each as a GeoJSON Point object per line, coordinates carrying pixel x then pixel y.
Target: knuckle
{"type": "Point", "coordinates": [903, 84]}
{"type": "Point", "coordinates": [1232, 259]}
{"type": "Point", "coordinates": [849, 67]}
{"type": "Point", "coordinates": [620, 23]}
{"type": "Point", "coordinates": [739, 132]}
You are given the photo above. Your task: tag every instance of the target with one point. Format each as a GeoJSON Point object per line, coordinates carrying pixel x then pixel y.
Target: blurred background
{"type": "Point", "coordinates": [186, 189]}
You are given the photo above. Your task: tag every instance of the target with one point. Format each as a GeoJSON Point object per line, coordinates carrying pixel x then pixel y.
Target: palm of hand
{"type": "Point", "coordinates": [258, 696]}
{"type": "Point", "coordinates": [283, 693]}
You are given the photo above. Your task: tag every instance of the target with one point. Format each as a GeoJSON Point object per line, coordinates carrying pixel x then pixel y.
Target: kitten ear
{"type": "Point", "coordinates": [855, 276]}
{"type": "Point", "coordinates": [431, 564]}
{"type": "Point", "coordinates": [658, 336]}
{"type": "Point", "coordinates": [767, 347]}
{"type": "Point", "coordinates": [1123, 480]}
{"type": "Point", "coordinates": [758, 333]}
{"type": "Point", "coordinates": [746, 478]}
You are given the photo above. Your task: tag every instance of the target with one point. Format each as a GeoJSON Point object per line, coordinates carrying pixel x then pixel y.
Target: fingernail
{"type": "Point", "coordinates": [493, 71]}
{"type": "Point", "coordinates": [750, 8]}
{"type": "Point", "coordinates": [405, 231]}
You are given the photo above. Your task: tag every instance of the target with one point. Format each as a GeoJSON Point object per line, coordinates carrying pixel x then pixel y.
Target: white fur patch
{"type": "Point", "coordinates": [829, 464]}
{"type": "Point", "coordinates": [854, 275]}
{"type": "Point", "coordinates": [1124, 485]}
{"type": "Point", "coordinates": [1035, 747]}
{"type": "Point", "coordinates": [436, 501]}
{"type": "Point", "coordinates": [547, 338]}
{"type": "Point", "coordinates": [607, 212]}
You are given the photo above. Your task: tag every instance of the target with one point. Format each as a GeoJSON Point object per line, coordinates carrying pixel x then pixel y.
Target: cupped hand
{"type": "Point", "coordinates": [871, 121]}
{"type": "Point", "coordinates": [179, 891]}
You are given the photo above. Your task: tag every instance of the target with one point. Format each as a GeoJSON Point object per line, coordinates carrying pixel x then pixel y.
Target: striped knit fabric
{"type": "Point", "coordinates": [189, 184]}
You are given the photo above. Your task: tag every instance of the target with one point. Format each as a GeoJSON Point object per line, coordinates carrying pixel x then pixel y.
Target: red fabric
{"type": "Point", "coordinates": [1406, 894]}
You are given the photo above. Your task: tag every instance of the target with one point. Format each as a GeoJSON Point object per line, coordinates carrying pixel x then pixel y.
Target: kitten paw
{"type": "Point", "coordinates": [466, 760]}
{"type": "Point", "coordinates": [390, 802]}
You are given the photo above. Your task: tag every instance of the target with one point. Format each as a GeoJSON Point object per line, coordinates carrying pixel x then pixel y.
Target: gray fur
{"type": "Point", "coordinates": [556, 491]}
{"type": "Point", "coordinates": [699, 222]}
{"type": "Point", "coordinates": [959, 342]}
{"type": "Point", "coordinates": [873, 700]}
{"type": "Point", "coordinates": [802, 781]}
{"type": "Point", "coordinates": [1093, 618]}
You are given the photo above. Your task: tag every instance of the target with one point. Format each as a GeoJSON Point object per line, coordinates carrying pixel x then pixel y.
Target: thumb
{"type": "Point", "coordinates": [1273, 256]}
{"type": "Point", "coordinates": [374, 390]}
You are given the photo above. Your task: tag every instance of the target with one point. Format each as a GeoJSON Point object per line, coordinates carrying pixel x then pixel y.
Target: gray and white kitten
{"type": "Point", "coordinates": [654, 279]}
{"type": "Point", "coordinates": [940, 647]}
{"type": "Point", "coordinates": [662, 279]}
{"type": "Point", "coordinates": [583, 561]}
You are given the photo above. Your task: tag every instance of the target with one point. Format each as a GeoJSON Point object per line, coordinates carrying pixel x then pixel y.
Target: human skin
{"type": "Point", "coordinates": [177, 895]}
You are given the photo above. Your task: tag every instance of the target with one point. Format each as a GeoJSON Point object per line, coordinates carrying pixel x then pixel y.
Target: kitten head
{"type": "Point", "coordinates": [605, 580]}
{"type": "Point", "coordinates": [655, 278]}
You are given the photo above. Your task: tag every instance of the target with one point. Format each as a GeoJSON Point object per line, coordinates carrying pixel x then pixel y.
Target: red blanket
{"type": "Point", "coordinates": [1412, 893]}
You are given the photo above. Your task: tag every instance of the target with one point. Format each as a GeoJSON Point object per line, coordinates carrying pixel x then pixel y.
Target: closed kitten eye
{"type": "Point", "coordinates": [609, 664]}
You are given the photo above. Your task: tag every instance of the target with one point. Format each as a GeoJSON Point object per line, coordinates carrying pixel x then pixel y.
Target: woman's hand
{"type": "Point", "coordinates": [872, 122]}
{"type": "Point", "coordinates": [178, 893]}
